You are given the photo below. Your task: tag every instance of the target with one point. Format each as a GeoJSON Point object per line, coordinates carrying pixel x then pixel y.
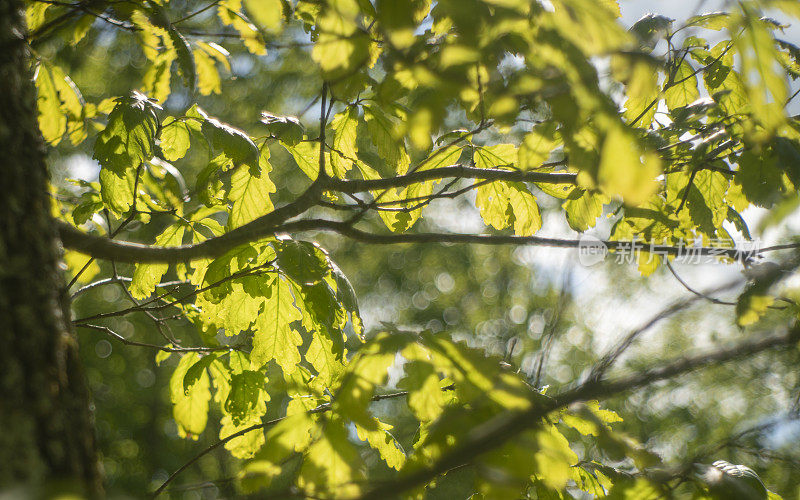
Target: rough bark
{"type": "Point", "coordinates": [46, 433]}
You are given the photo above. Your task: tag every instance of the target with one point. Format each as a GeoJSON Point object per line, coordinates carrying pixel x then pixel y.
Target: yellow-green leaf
{"type": "Point", "coordinates": [52, 121]}
{"type": "Point", "coordinates": [190, 408]}
{"type": "Point", "coordinates": [344, 152]}
{"type": "Point", "coordinates": [250, 191]}
{"type": "Point", "coordinates": [624, 169]}
{"type": "Point", "coordinates": [683, 90]}
{"type": "Point", "coordinates": [147, 276]}
{"type": "Point", "coordinates": [274, 337]}
{"type": "Point", "coordinates": [266, 13]}
{"type": "Point", "coordinates": [536, 147]}
{"type": "Point", "coordinates": [386, 138]}
{"type": "Point", "coordinates": [382, 440]}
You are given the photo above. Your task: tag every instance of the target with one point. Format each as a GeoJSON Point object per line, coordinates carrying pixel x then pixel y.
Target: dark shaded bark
{"type": "Point", "coordinates": [46, 434]}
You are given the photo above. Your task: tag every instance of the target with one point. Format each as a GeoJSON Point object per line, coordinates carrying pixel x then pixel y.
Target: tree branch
{"type": "Point", "coordinates": [106, 281]}
{"type": "Point", "coordinates": [457, 171]}
{"type": "Point", "coordinates": [103, 248]}
{"type": "Point", "coordinates": [505, 427]}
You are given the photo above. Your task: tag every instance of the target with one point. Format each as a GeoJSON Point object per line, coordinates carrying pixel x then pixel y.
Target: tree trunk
{"type": "Point", "coordinates": [46, 434]}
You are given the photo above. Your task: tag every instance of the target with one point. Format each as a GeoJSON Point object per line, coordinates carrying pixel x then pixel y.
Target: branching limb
{"type": "Point", "coordinates": [133, 252]}
{"type": "Point", "coordinates": [324, 407]}
{"type": "Point", "coordinates": [505, 427]}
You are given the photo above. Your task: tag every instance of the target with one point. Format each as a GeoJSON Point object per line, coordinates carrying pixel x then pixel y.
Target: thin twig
{"type": "Point", "coordinates": [197, 12]}
{"type": "Point", "coordinates": [107, 281]}
{"type": "Point", "coordinates": [143, 306]}
{"type": "Point", "coordinates": [600, 368]}
{"type": "Point", "coordinates": [111, 333]}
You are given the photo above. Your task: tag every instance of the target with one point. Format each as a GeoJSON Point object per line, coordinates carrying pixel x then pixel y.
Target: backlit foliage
{"type": "Point", "coordinates": [676, 136]}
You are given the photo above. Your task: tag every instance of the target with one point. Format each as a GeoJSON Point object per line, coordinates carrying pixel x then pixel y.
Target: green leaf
{"type": "Point", "coordinates": [492, 201]}
{"type": "Point", "coordinates": [88, 205]}
{"type": "Point", "coordinates": [197, 370]}
{"type": "Point", "coordinates": [221, 378]}
{"type": "Point", "coordinates": [117, 189]}
{"type": "Point", "coordinates": [400, 20]}
{"type": "Point", "coordinates": [174, 138]}
{"type": "Point", "coordinates": [302, 261]}
{"type": "Point", "coordinates": [643, 94]}
{"type": "Point", "coordinates": [72, 104]}
{"type": "Point", "coordinates": [246, 445]}
{"type": "Point", "coordinates": [387, 139]}
{"type": "Point", "coordinates": [52, 121]}
{"type": "Point", "coordinates": [554, 458]}
{"type": "Point", "coordinates": [190, 408]}
{"type": "Point", "coordinates": [229, 12]}
{"type": "Point", "coordinates": [712, 186]}
{"type": "Point", "coordinates": [751, 306]}
{"type": "Point", "coordinates": [186, 62]}
{"type": "Point", "coordinates": [650, 28]}
{"type": "Point", "coordinates": [344, 152]}
{"type": "Point", "coordinates": [216, 52]}
{"type": "Point", "coordinates": [425, 397]}
{"type": "Point", "coordinates": [638, 489]}
{"type": "Point", "coordinates": [766, 87]}
{"type": "Point", "coordinates": [368, 371]}
{"type": "Point", "coordinates": [35, 15]}
{"type": "Point", "coordinates": [235, 143]}
{"type": "Point", "coordinates": [208, 79]}
{"type": "Point", "coordinates": [401, 221]}
{"type": "Point", "coordinates": [162, 356]}
{"type": "Point", "coordinates": [527, 219]}
{"type": "Point", "coordinates": [147, 276]}
{"type": "Point", "coordinates": [469, 369]}
{"type": "Point", "coordinates": [502, 202]}
{"type": "Point", "coordinates": [208, 185]}
{"type": "Point", "coordinates": [537, 146]}
{"type": "Point", "coordinates": [306, 155]}
{"type": "Point", "coordinates": [287, 129]}
{"type": "Point", "coordinates": [726, 480]}
{"type": "Point", "coordinates": [324, 312]}
{"type": "Point", "coordinates": [683, 90]}
{"type": "Point", "coordinates": [274, 337]}
{"type": "Point", "coordinates": [387, 446]}
{"type": "Point", "coordinates": [341, 47]}
{"type": "Point", "coordinates": [174, 42]}
{"type": "Point", "coordinates": [625, 170]}
{"type": "Point", "coordinates": [247, 399]}
{"type": "Point", "coordinates": [716, 21]}
{"type": "Point", "coordinates": [758, 177]}
{"type": "Point", "coordinates": [234, 304]}
{"type": "Point", "coordinates": [266, 13]}
{"type": "Point", "coordinates": [325, 359]}
{"type": "Point", "coordinates": [501, 155]}
{"type": "Point", "coordinates": [331, 464]}
{"type": "Point", "coordinates": [250, 190]}
{"type": "Point", "coordinates": [156, 80]}
{"type": "Point", "coordinates": [347, 297]}
{"type": "Point", "coordinates": [126, 143]}
{"type": "Point", "coordinates": [234, 311]}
